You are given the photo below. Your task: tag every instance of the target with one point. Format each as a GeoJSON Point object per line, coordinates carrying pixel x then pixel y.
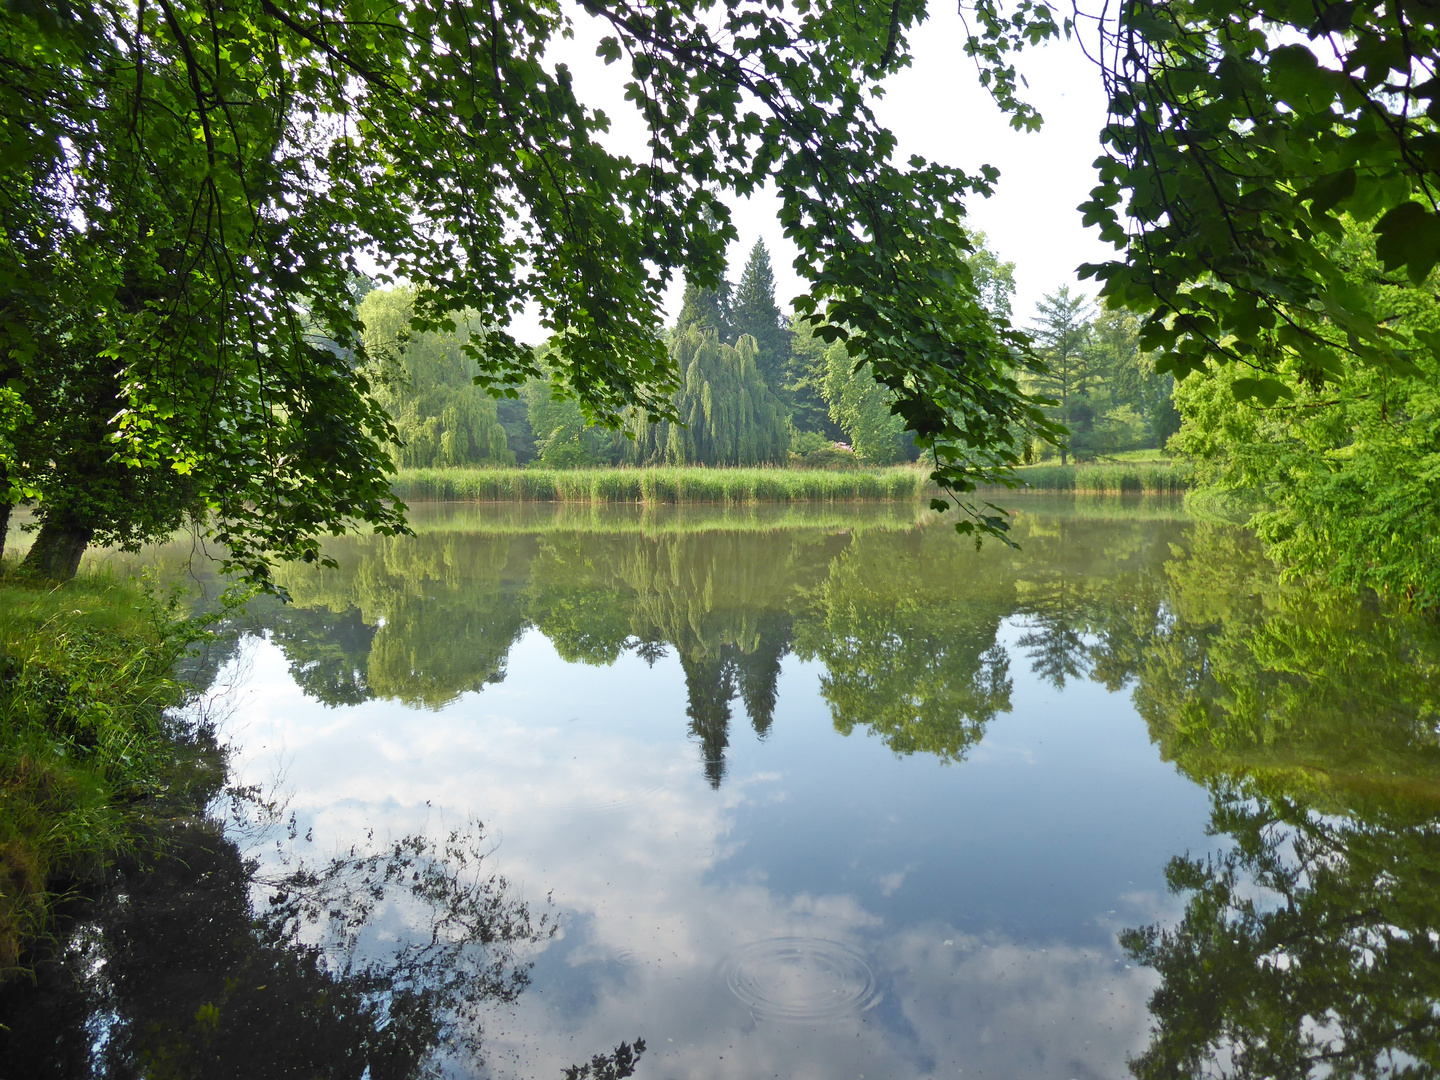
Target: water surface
{"type": "Point", "coordinates": [831, 793]}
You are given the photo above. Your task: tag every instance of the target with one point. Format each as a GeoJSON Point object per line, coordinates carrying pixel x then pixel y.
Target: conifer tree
{"type": "Point", "coordinates": [1062, 334]}
{"type": "Point", "coordinates": [756, 313]}
{"type": "Point", "coordinates": [806, 371]}
{"type": "Point", "coordinates": [707, 307]}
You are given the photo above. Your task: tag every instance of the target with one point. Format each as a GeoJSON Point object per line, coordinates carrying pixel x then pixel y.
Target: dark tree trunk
{"type": "Point", "coordinates": [57, 549]}
{"type": "Point", "coordinates": [4, 525]}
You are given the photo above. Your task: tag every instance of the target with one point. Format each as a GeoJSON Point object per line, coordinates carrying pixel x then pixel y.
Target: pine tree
{"type": "Point", "coordinates": [806, 370]}
{"type": "Point", "coordinates": [756, 313]}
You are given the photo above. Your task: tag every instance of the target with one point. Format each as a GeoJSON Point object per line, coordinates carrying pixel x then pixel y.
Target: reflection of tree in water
{"type": "Point", "coordinates": [713, 680]}
{"type": "Point", "coordinates": [1089, 593]}
{"type": "Point", "coordinates": [709, 689]}
{"type": "Point", "coordinates": [720, 599]}
{"type": "Point", "coordinates": [1311, 946]}
{"type": "Point", "coordinates": [328, 652]}
{"type": "Point", "coordinates": [376, 962]}
{"type": "Point", "coordinates": [905, 621]}
{"type": "Point", "coordinates": [758, 671]}
{"type": "Point", "coordinates": [443, 610]}
{"type": "Point", "coordinates": [905, 626]}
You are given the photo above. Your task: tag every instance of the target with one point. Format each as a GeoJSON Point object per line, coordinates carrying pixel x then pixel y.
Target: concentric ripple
{"type": "Point", "coordinates": [620, 800]}
{"type": "Point", "coordinates": [800, 979]}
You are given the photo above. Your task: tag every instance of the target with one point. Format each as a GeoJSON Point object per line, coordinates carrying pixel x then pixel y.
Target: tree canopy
{"type": "Point", "coordinates": [189, 190]}
{"type": "Point", "coordinates": [424, 382]}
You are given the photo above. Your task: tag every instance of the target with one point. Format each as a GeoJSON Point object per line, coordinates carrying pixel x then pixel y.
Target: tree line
{"type": "Point", "coordinates": [758, 387]}
{"type": "Point", "coordinates": [189, 189]}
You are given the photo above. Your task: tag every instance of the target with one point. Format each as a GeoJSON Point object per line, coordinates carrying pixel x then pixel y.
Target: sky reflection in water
{"type": "Point", "coordinates": [818, 796]}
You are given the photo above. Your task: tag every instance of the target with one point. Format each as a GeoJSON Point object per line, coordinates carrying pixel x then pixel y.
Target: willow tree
{"type": "Point", "coordinates": [425, 383]}
{"type": "Point", "coordinates": [728, 415]}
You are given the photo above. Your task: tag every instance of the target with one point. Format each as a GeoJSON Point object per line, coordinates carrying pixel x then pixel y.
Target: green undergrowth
{"type": "Point", "coordinates": [86, 674]}
{"type": "Point", "coordinates": [1110, 478]}
{"type": "Point", "coordinates": [676, 485]}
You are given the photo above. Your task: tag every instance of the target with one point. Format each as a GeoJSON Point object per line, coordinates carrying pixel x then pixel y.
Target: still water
{"type": "Point", "coordinates": [820, 793]}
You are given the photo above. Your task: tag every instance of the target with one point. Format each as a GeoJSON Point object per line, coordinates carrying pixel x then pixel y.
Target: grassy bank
{"type": "Point", "coordinates": [661, 486]}
{"type": "Point", "coordinates": [1110, 478]}
{"type": "Point", "coordinates": [85, 677]}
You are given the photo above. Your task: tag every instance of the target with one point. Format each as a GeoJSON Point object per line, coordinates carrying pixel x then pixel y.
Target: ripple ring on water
{"type": "Point", "coordinates": [800, 979]}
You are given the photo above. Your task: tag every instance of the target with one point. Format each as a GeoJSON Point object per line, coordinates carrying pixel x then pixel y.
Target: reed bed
{"type": "Point", "coordinates": [1107, 478]}
{"type": "Point", "coordinates": [661, 486]}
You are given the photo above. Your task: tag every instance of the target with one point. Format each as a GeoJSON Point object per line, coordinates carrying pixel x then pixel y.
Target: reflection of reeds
{"type": "Point", "coordinates": [660, 486]}
{"type": "Point", "coordinates": [1110, 478]}
{"type": "Point", "coordinates": [655, 518]}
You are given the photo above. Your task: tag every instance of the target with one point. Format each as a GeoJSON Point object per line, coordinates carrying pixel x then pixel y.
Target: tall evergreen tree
{"type": "Point", "coordinates": [756, 313]}
{"type": "Point", "coordinates": [1062, 334]}
{"type": "Point", "coordinates": [707, 307]}
{"type": "Point", "coordinates": [806, 370]}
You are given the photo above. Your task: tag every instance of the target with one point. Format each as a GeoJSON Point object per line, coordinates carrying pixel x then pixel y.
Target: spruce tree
{"type": "Point", "coordinates": [707, 307]}
{"type": "Point", "coordinates": [1062, 333]}
{"type": "Point", "coordinates": [756, 313]}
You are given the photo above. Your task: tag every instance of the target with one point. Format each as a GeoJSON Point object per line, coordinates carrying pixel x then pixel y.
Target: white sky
{"type": "Point", "coordinates": [936, 109]}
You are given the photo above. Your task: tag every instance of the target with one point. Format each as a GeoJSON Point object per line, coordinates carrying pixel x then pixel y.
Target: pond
{"type": "Point", "coordinates": [801, 792]}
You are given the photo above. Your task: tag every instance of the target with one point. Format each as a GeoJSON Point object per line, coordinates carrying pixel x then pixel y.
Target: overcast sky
{"type": "Point", "coordinates": [937, 109]}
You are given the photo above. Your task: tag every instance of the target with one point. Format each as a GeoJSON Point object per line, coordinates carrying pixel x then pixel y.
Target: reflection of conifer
{"type": "Point", "coordinates": [651, 649]}
{"type": "Point", "coordinates": [1057, 650]}
{"type": "Point", "coordinates": [1058, 613]}
{"type": "Point", "coordinates": [710, 684]}
{"type": "Point", "coordinates": [757, 672]}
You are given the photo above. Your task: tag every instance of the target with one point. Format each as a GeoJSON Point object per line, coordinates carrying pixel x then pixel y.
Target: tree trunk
{"type": "Point", "coordinates": [4, 525]}
{"type": "Point", "coordinates": [57, 549]}
{"type": "Point", "coordinates": [1064, 457]}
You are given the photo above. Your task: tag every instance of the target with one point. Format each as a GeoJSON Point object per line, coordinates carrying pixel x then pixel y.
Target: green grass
{"type": "Point", "coordinates": [677, 485]}
{"type": "Point", "coordinates": [85, 677]}
{"type": "Point", "coordinates": [1109, 478]}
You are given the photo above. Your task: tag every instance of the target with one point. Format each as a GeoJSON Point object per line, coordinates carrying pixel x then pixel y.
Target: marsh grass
{"type": "Point", "coordinates": [85, 679]}
{"type": "Point", "coordinates": [676, 485]}
{"type": "Point", "coordinates": [1110, 478]}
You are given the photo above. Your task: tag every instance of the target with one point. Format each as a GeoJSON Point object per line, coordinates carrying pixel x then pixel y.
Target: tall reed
{"type": "Point", "coordinates": [660, 486]}
{"type": "Point", "coordinates": [1109, 478]}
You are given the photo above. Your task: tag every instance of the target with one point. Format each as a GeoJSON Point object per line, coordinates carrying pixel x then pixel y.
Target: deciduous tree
{"type": "Point", "coordinates": [188, 190]}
